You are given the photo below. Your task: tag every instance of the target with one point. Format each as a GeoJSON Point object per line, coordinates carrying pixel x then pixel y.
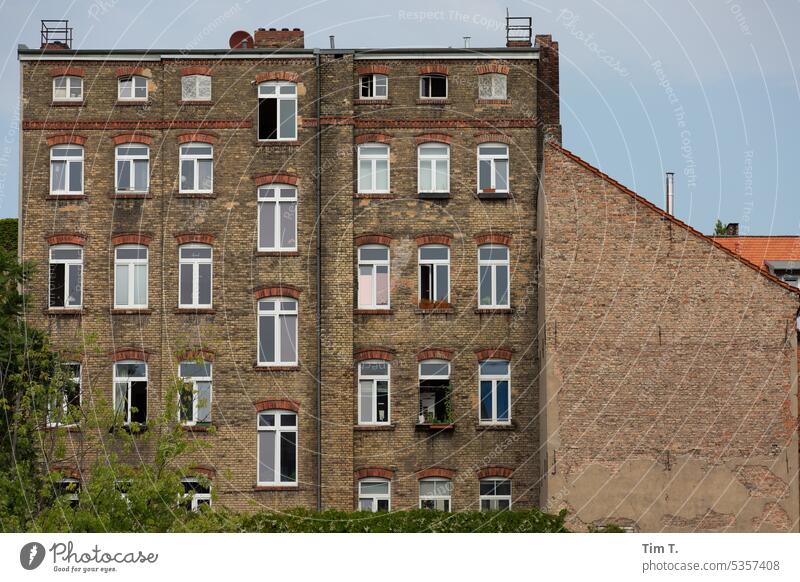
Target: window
{"type": "Point", "coordinates": [61, 410]}
{"type": "Point", "coordinates": [433, 87]}
{"type": "Point", "coordinates": [374, 495]}
{"type": "Point", "coordinates": [195, 494]}
{"type": "Point", "coordinates": [374, 86]}
{"type": "Point", "coordinates": [197, 168]}
{"type": "Point", "coordinates": [195, 276]}
{"type": "Point", "coordinates": [196, 88]}
{"type": "Point", "coordinates": [277, 218]}
{"type": "Point", "coordinates": [435, 494]}
{"type": "Point", "coordinates": [434, 274]}
{"type": "Point", "coordinates": [373, 277]}
{"type": "Point", "coordinates": [495, 494]}
{"type": "Point", "coordinates": [67, 89]}
{"type": "Point", "coordinates": [132, 88]}
{"type": "Point", "coordinates": [277, 448]}
{"type": "Point", "coordinates": [493, 167]}
{"type": "Point", "coordinates": [492, 86]}
{"type": "Point", "coordinates": [130, 277]}
{"type": "Point", "coordinates": [66, 276]}
{"type": "Point", "coordinates": [69, 489]}
{"type": "Point", "coordinates": [277, 111]}
{"type": "Point", "coordinates": [373, 392]}
{"type": "Point", "coordinates": [434, 392]}
{"type": "Point", "coordinates": [133, 168]}
{"type": "Point", "coordinates": [277, 332]}
{"type": "Point", "coordinates": [66, 170]}
{"type": "Point", "coordinates": [373, 168]}
{"type": "Point", "coordinates": [433, 174]}
{"type": "Point", "coordinates": [495, 392]}
{"type": "Point", "coordinates": [195, 396]}
{"type": "Point", "coordinates": [130, 391]}
{"type": "Point", "coordinates": [493, 276]}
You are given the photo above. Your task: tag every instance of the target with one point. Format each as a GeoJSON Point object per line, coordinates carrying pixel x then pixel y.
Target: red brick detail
{"type": "Point", "coordinates": [205, 470]}
{"type": "Point", "coordinates": [67, 72]}
{"type": "Point", "coordinates": [195, 237]}
{"type": "Point", "coordinates": [373, 137]}
{"type": "Point", "coordinates": [495, 471]}
{"type": "Point", "coordinates": [373, 354]}
{"type": "Point", "coordinates": [492, 136]}
{"type": "Point", "coordinates": [373, 239]}
{"type": "Point", "coordinates": [432, 69]}
{"type": "Point", "coordinates": [65, 138]}
{"type": "Point", "coordinates": [196, 70]}
{"type": "Point", "coordinates": [492, 68]}
{"type": "Point", "coordinates": [277, 404]}
{"type": "Point", "coordinates": [518, 43]}
{"type": "Point", "coordinates": [372, 70]}
{"type": "Point", "coordinates": [198, 354]}
{"type": "Point", "coordinates": [380, 472]}
{"type": "Point", "coordinates": [129, 354]}
{"type": "Point", "coordinates": [137, 125]}
{"type": "Point", "coordinates": [493, 354]}
{"type": "Point", "coordinates": [131, 239]}
{"type": "Point", "coordinates": [493, 238]}
{"type": "Point", "coordinates": [130, 71]}
{"type": "Point", "coordinates": [435, 354]}
{"type": "Point", "coordinates": [433, 239]}
{"type": "Point", "coordinates": [437, 137]}
{"type": "Point", "coordinates": [436, 472]}
{"type": "Point", "coordinates": [280, 178]}
{"type": "Point", "coordinates": [278, 76]}
{"type": "Point", "coordinates": [68, 471]}
{"type": "Point", "coordinates": [132, 138]}
{"type": "Point", "coordinates": [200, 137]}
{"type": "Point", "coordinates": [277, 291]}
{"type": "Point", "coordinates": [67, 238]}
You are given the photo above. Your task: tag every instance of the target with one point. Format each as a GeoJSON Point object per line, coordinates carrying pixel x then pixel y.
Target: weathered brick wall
{"type": "Point", "coordinates": [670, 368]}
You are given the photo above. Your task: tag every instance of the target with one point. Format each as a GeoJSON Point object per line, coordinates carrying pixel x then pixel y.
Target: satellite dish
{"type": "Point", "coordinates": [241, 39]}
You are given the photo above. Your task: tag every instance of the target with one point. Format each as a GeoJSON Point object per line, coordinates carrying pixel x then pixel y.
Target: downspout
{"type": "Point", "coordinates": [318, 172]}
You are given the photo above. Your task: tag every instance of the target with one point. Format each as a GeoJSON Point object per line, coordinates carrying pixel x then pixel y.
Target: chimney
{"type": "Point", "coordinates": [277, 39]}
{"type": "Point", "coordinates": [466, 41]}
{"type": "Point", "coordinates": [333, 41]}
{"type": "Point", "coordinates": [732, 229]}
{"type": "Point", "coordinates": [548, 107]}
{"type": "Point", "coordinates": [670, 192]}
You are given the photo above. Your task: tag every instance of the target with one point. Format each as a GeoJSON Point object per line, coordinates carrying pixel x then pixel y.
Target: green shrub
{"type": "Point", "coordinates": [8, 235]}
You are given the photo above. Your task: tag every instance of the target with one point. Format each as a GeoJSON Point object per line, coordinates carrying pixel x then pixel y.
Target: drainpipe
{"type": "Point", "coordinates": [318, 172]}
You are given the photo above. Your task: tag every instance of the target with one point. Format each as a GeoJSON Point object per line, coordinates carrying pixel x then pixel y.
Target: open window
{"type": "Point", "coordinates": [433, 87]}
{"type": "Point", "coordinates": [277, 111]}
{"type": "Point", "coordinates": [130, 391]}
{"type": "Point", "coordinates": [435, 400]}
{"type": "Point", "coordinates": [434, 275]}
{"type": "Point", "coordinates": [195, 395]}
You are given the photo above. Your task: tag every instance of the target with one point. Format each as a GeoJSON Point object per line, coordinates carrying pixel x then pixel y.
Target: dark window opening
{"type": "Point", "coordinates": [57, 284]}
{"type": "Point", "coordinates": [434, 86]}
{"type": "Point", "coordinates": [138, 402]}
{"type": "Point", "coordinates": [267, 119]}
{"type": "Point", "coordinates": [434, 401]}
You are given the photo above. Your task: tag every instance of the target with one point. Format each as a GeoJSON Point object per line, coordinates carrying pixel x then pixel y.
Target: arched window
{"type": "Point", "coordinates": [493, 168]}
{"type": "Point", "coordinates": [434, 274]}
{"type": "Point", "coordinates": [277, 111]}
{"type": "Point", "coordinates": [132, 88]}
{"type": "Point", "coordinates": [373, 168]}
{"type": "Point", "coordinates": [130, 276]}
{"type": "Point", "coordinates": [277, 448]}
{"type": "Point", "coordinates": [494, 380]}
{"type": "Point", "coordinates": [435, 401]}
{"type": "Point", "coordinates": [195, 276]}
{"type": "Point", "coordinates": [493, 276]}
{"type": "Point", "coordinates": [66, 170]}
{"type": "Point", "coordinates": [130, 391]}
{"type": "Point", "coordinates": [133, 168]}
{"type": "Point", "coordinates": [433, 86]}
{"type": "Point", "coordinates": [433, 172]}
{"type": "Point", "coordinates": [373, 277]}
{"type": "Point", "coordinates": [67, 88]}
{"type": "Point", "coordinates": [434, 493]}
{"type": "Point", "coordinates": [197, 168]}
{"type": "Point", "coordinates": [492, 86]}
{"type": "Point", "coordinates": [194, 406]}
{"type": "Point", "coordinates": [196, 88]}
{"type": "Point", "coordinates": [374, 494]}
{"type": "Point", "coordinates": [66, 276]}
{"type": "Point", "coordinates": [374, 86]}
{"type": "Point", "coordinates": [277, 331]}
{"type": "Point", "coordinates": [277, 218]}
{"type": "Point", "coordinates": [373, 392]}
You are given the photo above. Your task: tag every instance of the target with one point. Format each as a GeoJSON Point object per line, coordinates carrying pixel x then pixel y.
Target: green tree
{"type": "Point", "coordinates": [719, 229]}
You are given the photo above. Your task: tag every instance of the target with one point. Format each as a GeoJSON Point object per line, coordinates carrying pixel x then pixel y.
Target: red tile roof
{"type": "Point", "coordinates": [759, 249]}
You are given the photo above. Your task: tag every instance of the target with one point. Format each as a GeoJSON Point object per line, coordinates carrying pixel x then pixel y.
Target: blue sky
{"type": "Point", "coordinates": [706, 89]}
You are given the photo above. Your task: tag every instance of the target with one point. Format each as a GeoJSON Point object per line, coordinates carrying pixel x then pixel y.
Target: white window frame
{"type": "Point", "coordinates": [67, 161]}
{"type": "Point", "coordinates": [197, 499]}
{"type": "Point", "coordinates": [64, 404]}
{"type": "Point", "coordinates": [435, 160]}
{"type": "Point", "coordinates": [492, 159]}
{"type": "Point", "coordinates": [492, 77]}
{"type": "Point", "coordinates": [131, 264]}
{"type": "Point", "coordinates": [375, 497]}
{"type": "Point", "coordinates": [195, 262]}
{"type": "Point", "coordinates": [432, 75]}
{"type": "Point", "coordinates": [273, 194]}
{"type": "Point", "coordinates": [437, 497]}
{"type": "Point", "coordinates": [492, 264]}
{"type": "Point", "coordinates": [373, 160]}
{"type": "Point", "coordinates": [278, 428]}
{"type": "Point", "coordinates": [374, 264]}
{"type": "Point", "coordinates": [278, 312]}
{"type": "Point", "coordinates": [129, 159]}
{"type": "Point", "coordinates": [374, 379]}
{"type": "Point", "coordinates": [494, 379]}
{"type": "Point", "coordinates": [130, 380]}
{"type": "Point", "coordinates": [435, 279]}
{"type": "Point", "coordinates": [195, 159]}
{"type": "Point", "coordinates": [196, 82]}
{"type": "Point", "coordinates": [69, 82]}
{"type": "Point", "coordinates": [193, 380]}
{"type": "Point", "coordinates": [494, 499]}
{"type": "Point", "coordinates": [263, 93]}
{"type": "Point", "coordinates": [67, 277]}
{"type": "Point", "coordinates": [135, 80]}
{"type": "Point", "coordinates": [374, 84]}
{"type": "Point", "coordinates": [443, 364]}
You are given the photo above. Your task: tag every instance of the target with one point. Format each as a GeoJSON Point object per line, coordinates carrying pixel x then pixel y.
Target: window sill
{"type": "Point", "coordinates": [130, 195]}
{"type": "Point", "coordinates": [277, 253]}
{"type": "Point", "coordinates": [434, 195]}
{"type": "Point", "coordinates": [276, 488]}
{"type": "Point", "coordinates": [69, 311]}
{"type": "Point", "coordinates": [494, 310]}
{"type": "Point", "coordinates": [262, 368]}
{"type": "Point", "coordinates": [374, 427]}
{"type": "Point", "coordinates": [433, 310]}
{"type": "Point", "coordinates": [433, 101]}
{"type": "Point", "coordinates": [435, 426]}
{"type": "Point", "coordinates": [493, 102]}
{"type": "Point", "coordinates": [194, 311]}
{"type": "Point", "coordinates": [198, 102]}
{"type": "Point", "coordinates": [131, 428]}
{"type": "Point", "coordinates": [66, 427]}
{"type": "Point", "coordinates": [198, 195]}
{"type": "Point", "coordinates": [278, 143]}
{"type": "Point", "coordinates": [378, 101]}
{"type": "Point", "coordinates": [66, 197]}
{"type": "Point", "coordinates": [498, 426]}
{"type": "Point", "coordinates": [373, 311]}
{"type": "Point", "coordinates": [80, 103]}
{"type": "Point", "coordinates": [374, 195]}
{"type": "Point", "coordinates": [493, 195]}
{"type": "Point", "coordinates": [197, 427]}
{"type": "Point", "coordinates": [122, 311]}
{"type": "Point", "coordinates": [132, 102]}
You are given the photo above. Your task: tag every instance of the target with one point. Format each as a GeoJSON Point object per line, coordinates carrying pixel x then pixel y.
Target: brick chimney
{"type": "Point", "coordinates": [732, 229]}
{"type": "Point", "coordinates": [283, 38]}
{"type": "Point", "coordinates": [547, 94]}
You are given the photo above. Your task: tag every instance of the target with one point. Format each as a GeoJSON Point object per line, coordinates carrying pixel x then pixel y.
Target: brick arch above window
{"type": "Point", "coordinates": [435, 354]}
{"type": "Point", "coordinates": [493, 354]}
{"type": "Point", "coordinates": [379, 472]}
{"type": "Point", "coordinates": [196, 70]}
{"type": "Point", "coordinates": [372, 239]}
{"type": "Point", "coordinates": [197, 354]}
{"type": "Point", "coordinates": [130, 71]}
{"type": "Point", "coordinates": [495, 471]}
{"type": "Point", "coordinates": [494, 238]}
{"type": "Point", "coordinates": [278, 178]}
{"type": "Point", "coordinates": [277, 404]}
{"type": "Point", "coordinates": [492, 68]}
{"type": "Point", "coordinates": [67, 238]}
{"type": "Point", "coordinates": [67, 72]}
{"type": "Point", "coordinates": [133, 238]}
{"type": "Point", "coordinates": [492, 137]}
{"type": "Point", "coordinates": [132, 138]}
{"type": "Point", "coordinates": [195, 237]}
{"type": "Point", "coordinates": [66, 138]}
{"type": "Point", "coordinates": [290, 76]}
{"type": "Point", "coordinates": [433, 239]}
{"type": "Point", "coordinates": [433, 137]}
{"type": "Point", "coordinates": [439, 472]}
{"type": "Point", "coordinates": [277, 291]}
{"type": "Point", "coordinates": [373, 138]}
{"type": "Point", "coordinates": [197, 137]}
{"type": "Point", "coordinates": [365, 354]}
{"type": "Point", "coordinates": [67, 470]}
{"type": "Point", "coordinates": [432, 69]}
{"type": "Point", "coordinates": [204, 470]}
{"type": "Point", "coordinates": [372, 70]}
{"type": "Point", "coordinates": [129, 354]}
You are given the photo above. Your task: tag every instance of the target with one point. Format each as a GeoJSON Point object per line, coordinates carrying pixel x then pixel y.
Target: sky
{"type": "Point", "coordinates": [706, 89]}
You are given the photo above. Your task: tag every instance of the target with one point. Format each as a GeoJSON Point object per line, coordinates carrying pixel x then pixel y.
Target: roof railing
{"type": "Point", "coordinates": [56, 32]}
